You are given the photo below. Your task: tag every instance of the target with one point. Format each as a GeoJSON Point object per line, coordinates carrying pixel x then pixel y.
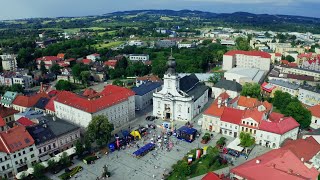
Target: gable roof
{"type": "Point", "coordinates": [275, 164]}
{"type": "Point", "coordinates": [146, 87]}
{"type": "Point", "coordinates": [247, 102]}
{"type": "Point", "coordinates": [253, 114]}
{"type": "Point", "coordinates": [109, 96]}
{"type": "Point", "coordinates": [188, 82]}
{"type": "Point", "coordinates": [4, 112]}
{"type": "Point", "coordinates": [214, 110]}
{"type": "Point", "coordinates": [211, 176]}
{"type": "Point", "coordinates": [25, 122]}
{"type": "Point", "coordinates": [58, 126]}
{"type": "Point", "coordinates": [229, 85]}
{"type": "Point", "coordinates": [89, 92]}
{"type": "Point", "coordinates": [40, 133]}
{"type": "Point", "coordinates": [15, 139]}
{"type": "Point", "coordinates": [29, 101]}
{"type": "Point", "coordinates": [50, 105]}
{"type": "Point", "coordinates": [41, 103]}
{"type": "Point", "coordinates": [152, 78]}
{"type": "Point", "coordinates": [232, 115]}
{"type": "Point", "coordinates": [249, 53]}
{"type": "Point", "coordinates": [275, 117]}
{"type": "Point", "coordinates": [49, 58]}
{"type": "Point", "coordinates": [281, 127]}
{"type": "Point", "coordinates": [315, 110]}
{"type": "Point", "coordinates": [303, 148]}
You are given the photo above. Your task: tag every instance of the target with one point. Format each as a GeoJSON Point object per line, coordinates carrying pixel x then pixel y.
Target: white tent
{"type": "Point", "coordinates": [235, 145]}
{"type": "Point", "coordinates": [69, 152]}
{"type": "Point", "coordinates": [22, 174]}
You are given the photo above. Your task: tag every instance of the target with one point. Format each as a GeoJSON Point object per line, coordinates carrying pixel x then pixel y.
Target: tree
{"type": "Point", "coordinates": [206, 42]}
{"type": "Point", "coordinates": [282, 99]}
{"type": "Point", "coordinates": [51, 164]}
{"type": "Point", "coordinates": [79, 148]}
{"type": "Point", "coordinates": [38, 171]}
{"type": "Point", "coordinates": [182, 169]}
{"type": "Point", "coordinates": [118, 82]}
{"type": "Point", "coordinates": [85, 77]}
{"type": "Point", "coordinates": [252, 90]}
{"type": "Point", "coordinates": [299, 113]}
{"type": "Point", "coordinates": [65, 160]}
{"type": "Point", "coordinates": [246, 140]}
{"type": "Point", "coordinates": [99, 130]}
{"type": "Point", "coordinates": [55, 68]}
{"type": "Point", "coordinates": [64, 85]}
{"type": "Point", "coordinates": [242, 44]}
{"type": "Point", "coordinates": [214, 79]}
{"type": "Point", "coordinates": [77, 69]}
{"type": "Point", "coordinates": [17, 88]}
{"type": "Point", "coordinates": [43, 68]}
{"type": "Point", "coordinates": [290, 58]}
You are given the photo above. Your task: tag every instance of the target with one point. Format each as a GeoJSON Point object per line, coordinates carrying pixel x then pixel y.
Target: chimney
{"type": "Point", "coordinates": [290, 171]}
{"type": "Point", "coordinates": [302, 159]}
{"type": "Point", "coordinates": [219, 101]}
{"type": "Point", "coordinates": [274, 165]}
{"type": "Point", "coordinates": [257, 161]}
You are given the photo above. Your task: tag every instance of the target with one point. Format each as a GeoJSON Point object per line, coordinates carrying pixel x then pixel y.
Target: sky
{"type": "Point", "coordinates": [17, 9]}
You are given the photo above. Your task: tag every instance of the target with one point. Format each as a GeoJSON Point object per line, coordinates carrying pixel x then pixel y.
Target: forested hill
{"type": "Point", "coordinates": [237, 19]}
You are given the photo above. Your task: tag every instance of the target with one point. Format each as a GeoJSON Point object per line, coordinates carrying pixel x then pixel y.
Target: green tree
{"type": "Point", "coordinates": [65, 160]}
{"type": "Point", "coordinates": [79, 148]}
{"type": "Point", "coordinates": [52, 164]}
{"type": "Point", "coordinates": [118, 82]}
{"type": "Point", "coordinates": [214, 79]}
{"type": "Point", "coordinates": [206, 42]}
{"type": "Point", "coordinates": [299, 113]}
{"type": "Point", "coordinates": [246, 140]}
{"type": "Point", "coordinates": [77, 69]}
{"type": "Point", "coordinates": [290, 58]}
{"type": "Point", "coordinates": [182, 168]}
{"type": "Point", "coordinates": [55, 68]}
{"type": "Point", "coordinates": [64, 85]}
{"type": "Point", "coordinates": [17, 88]}
{"type": "Point", "coordinates": [85, 77]}
{"type": "Point", "coordinates": [242, 44]}
{"type": "Point", "coordinates": [38, 171]}
{"type": "Point", "coordinates": [43, 68]}
{"type": "Point", "coordinates": [282, 99]}
{"type": "Point", "coordinates": [99, 130]}
{"type": "Point", "coordinates": [252, 90]}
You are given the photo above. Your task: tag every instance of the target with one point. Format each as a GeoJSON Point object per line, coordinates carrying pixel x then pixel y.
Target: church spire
{"type": "Point", "coordinates": [171, 64]}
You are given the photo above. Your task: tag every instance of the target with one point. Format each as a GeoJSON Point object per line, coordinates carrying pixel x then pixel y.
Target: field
{"type": "Point", "coordinates": [165, 18]}
{"type": "Point", "coordinates": [108, 45]}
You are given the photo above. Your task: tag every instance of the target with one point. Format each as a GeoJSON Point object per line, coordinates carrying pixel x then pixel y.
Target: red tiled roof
{"type": "Point", "coordinates": [315, 110]}
{"type": "Point", "coordinates": [306, 55]}
{"type": "Point", "coordinates": [50, 105]}
{"type": "Point", "coordinates": [211, 176]}
{"type": "Point", "coordinates": [284, 62]}
{"type": "Point", "coordinates": [254, 114]}
{"type": "Point", "coordinates": [231, 115]}
{"type": "Point", "coordinates": [293, 64]}
{"type": "Point", "coordinates": [53, 93]}
{"type": "Point", "coordinates": [303, 148]}
{"type": "Point", "coordinates": [267, 105]}
{"type": "Point", "coordinates": [300, 77]}
{"type": "Point", "coordinates": [249, 53]}
{"type": "Point", "coordinates": [275, 164]}
{"type": "Point", "coordinates": [89, 92]}
{"type": "Point", "coordinates": [111, 63]}
{"type": "Point", "coordinates": [49, 58]}
{"type": "Point", "coordinates": [86, 61]}
{"type": "Point", "coordinates": [110, 96]}
{"type": "Point", "coordinates": [2, 122]}
{"type": "Point", "coordinates": [152, 78]}
{"type": "Point", "coordinates": [15, 139]}
{"type": "Point", "coordinates": [28, 101]}
{"type": "Point", "coordinates": [63, 64]}
{"type": "Point", "coordinates": [247, 102]}
{"type": "Point", "coordinates": [4, 112]}
{"type": "Point", "coordinates": [25, 122]}
{"type": "Point", "coordinates": [275, 117]}
{"type": "Point", "coordinates": [214, 110]}
{"type": "Point", "coordinates": [281, 127]}
{"type": "Point", "coordinates": [61, 55]}
{"type": "Point", "coordinates": [267, 88]}
{"type": "Point", "coordinates": [278, 54]}
{"type": "Point", "coordinates": [70, 59]}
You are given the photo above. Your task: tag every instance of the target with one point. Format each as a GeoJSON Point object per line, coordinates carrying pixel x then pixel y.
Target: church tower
{"type": "Point", "coordinates": [171, 79]}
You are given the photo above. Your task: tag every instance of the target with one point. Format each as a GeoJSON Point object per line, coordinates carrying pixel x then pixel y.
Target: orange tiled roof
{"type": "Point", "coordinates": [29, 101]}
{"type": "Point", "coordinates": [315, 110]}
{"type": "Point", "coordinates": [247, 102]}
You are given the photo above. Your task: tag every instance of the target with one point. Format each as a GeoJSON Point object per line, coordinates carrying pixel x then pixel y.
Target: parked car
{"type": "Point", "coordinates": [151, 118]}
{"type": "Point", "coordinates": [233, 153]}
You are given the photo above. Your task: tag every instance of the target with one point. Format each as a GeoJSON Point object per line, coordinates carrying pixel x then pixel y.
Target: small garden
{"type": "Point", "coordinates": [209, 161]}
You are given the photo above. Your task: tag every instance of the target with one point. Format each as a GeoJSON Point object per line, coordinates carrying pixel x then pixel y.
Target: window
{"type": "Point", "coordinates": [188, 110]}
{"type": "Point", "coordinates": [32, 155]}
{"type": "Point", "coordinates": [251, 124]}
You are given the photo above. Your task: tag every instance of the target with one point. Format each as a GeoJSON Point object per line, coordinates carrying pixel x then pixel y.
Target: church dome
{"type": "Point", "coordinates": [171, 65]}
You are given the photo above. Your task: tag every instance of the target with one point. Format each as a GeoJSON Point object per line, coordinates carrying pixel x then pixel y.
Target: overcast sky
{"type": "Point", "coordinates": [13, 9]}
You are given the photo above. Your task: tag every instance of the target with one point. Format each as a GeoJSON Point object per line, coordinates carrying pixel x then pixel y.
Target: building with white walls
{"type": "Point", "coordinates": [94, 57]}
{"type": "Point", "coordinates": [315, 120]}
{"type": "Point", "coordinates": [138, 57]}
{"type": "Point", "coordinates": [117, 103]}
{"type": "Point", "coordinates": [246, 59]}
{"type": "Point", "coordinates": [309, 95]}
{"type": "Point", "coordinates": [9, 62]}
{"type": "Point", "coordinates": [180, 98]}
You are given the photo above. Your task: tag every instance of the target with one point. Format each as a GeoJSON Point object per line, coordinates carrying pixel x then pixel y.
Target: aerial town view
{"type": "Point", "coordinates": [160, 90]}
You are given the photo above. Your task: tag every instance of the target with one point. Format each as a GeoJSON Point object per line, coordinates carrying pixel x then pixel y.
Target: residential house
{"type": "Point", "coordinates": [315, 120]}
{"type": "Point", "coordinates": [117, 103]}
{"type": "Point", "coordinates": [165, 43]}
{"type": "Point", "coordinates": [8, 98]}
{"type": "Point", "coordinates": [300, 71]}
{"type": "Point", "coordinates": [53, 135]}
{"type": "Point", "coordinates": [17, 151]}
{"type": "Point", "coordinates": [9, 62]}
{"type": "Point", "coordinates": [251, 120]}
{"type": "Point", "coordinates": [247, 102]}
{"type": "Point", "coordinates": [230, 120]}
{"type": "Point", "coordinates": [29, 113]}
{"type": "Point", "coordinates": [147, 78]}
{"type": "Point", "coordinates": [232, 88]}
{"type": "Point", "coordinates": [6, 117]}
{"type": "Point", "coordinates": [21, 102]}
{"type": "Point", "coordinates": [144, 94]}
{"type": "Point", "coordinates": [61, 55]}
{"type": "Point", "coordinates": [275, 164]}
{"type": "Point", "coordinates": [26, 122]}
{"type": "Point", "coordinates": [139, 57]}
{"type": "Point", "coordinates": [111, 64]}
{"type": "Point", "coordinates": [272, 133]}
{"type": "Point", "coordinates": [87, 61]}
{"type": "Point", "coordinates": [284, 86]}
{"type": "Point", "coordinates": [49, 61]}
{"type": "Point", "coordinates": [41, 104]}
{"type": "Point", "coordinates": [268, 89]}
{"type": "Point", "coordinates": [309, 95]}
{"type": "Point", "coordinates": [94, 57]}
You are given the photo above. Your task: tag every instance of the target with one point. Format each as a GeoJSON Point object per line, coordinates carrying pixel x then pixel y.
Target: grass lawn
{"type": "Point", "coordinates": [216, 69]}
{"type": "Point", "coordinates": [108, 45]}
{"type": "Point", "coordinates": [165, 18]}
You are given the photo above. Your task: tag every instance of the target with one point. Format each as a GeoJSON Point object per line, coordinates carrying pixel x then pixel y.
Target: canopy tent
{"type": "Point", "coordinates": [125, 133]}
{"type": "Point", "coordinates": [235, 145]}
{"type": "Point", "coordinates": [22, 174]}
{"type": "Point", "coordinates": [69, 152]}
{"type": "Point", "coordinates": [186, 133]}
{"type": "Point", "coordinates": [136, 133]}
{"type": "Point", "coordinates": [145, 149]}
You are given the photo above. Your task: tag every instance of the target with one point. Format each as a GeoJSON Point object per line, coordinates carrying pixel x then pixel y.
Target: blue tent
{"type": "Point", "coordinates": [186, 133]}
{"type": "Point", "coordinates": [145, 149]}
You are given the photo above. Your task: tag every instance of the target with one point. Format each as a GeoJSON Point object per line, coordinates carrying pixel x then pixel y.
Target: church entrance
{"type": "Point", "coordinates": [167, 115]}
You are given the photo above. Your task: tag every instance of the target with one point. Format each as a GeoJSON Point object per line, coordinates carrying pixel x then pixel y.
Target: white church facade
{"type": "Point", "coordinates": [180, 98]}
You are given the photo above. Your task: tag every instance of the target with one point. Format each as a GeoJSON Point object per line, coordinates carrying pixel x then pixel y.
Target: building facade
{"type": "Point", "coordinates": [315, 120]}
{"type": "Point", "coordinates": [309, 95]}
{"type": "Point", "coordinates": [9, 62]}
{"type": "Point", "coordinates": [180, 98]}
{"type": "Point", "coordinates": [138, 57]}
{"type": "Point", "coordinates": [144, 94]}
